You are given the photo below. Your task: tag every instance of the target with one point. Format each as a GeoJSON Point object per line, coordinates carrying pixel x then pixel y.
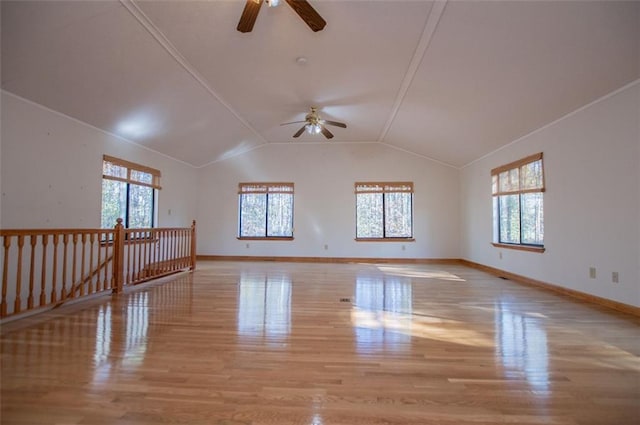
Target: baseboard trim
{"type": "Point", "coordinates": [583, 296]}
{"type": "Point", "coordinates": [329, 259]}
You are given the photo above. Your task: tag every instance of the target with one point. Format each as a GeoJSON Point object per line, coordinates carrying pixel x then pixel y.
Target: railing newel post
{"type": "Point", "coordinates": [193, 246]}
{"type": "Point", "coordinates": [118, 257]}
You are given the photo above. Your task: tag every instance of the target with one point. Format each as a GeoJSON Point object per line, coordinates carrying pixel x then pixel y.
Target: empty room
{"type": "Point", "coordinates": [320, 212]}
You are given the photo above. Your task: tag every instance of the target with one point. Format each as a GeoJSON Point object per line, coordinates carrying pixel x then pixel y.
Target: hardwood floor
{"type": "Point", "coordinates": [277, 343]}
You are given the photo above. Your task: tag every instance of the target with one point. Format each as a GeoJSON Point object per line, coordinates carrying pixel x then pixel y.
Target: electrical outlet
{"type": "Point", "coordinates": [615, 277]}
{"type": "Point", "coordinates": [592, 272]}
{"type": "Point", "coordinates": [326, 247]}
{"type": "Point", "coordinates": [247, 245]}
{"type": "Point", "coordinates": [500, 255]}
{"type": "Point", "coordinates": [404, 247]}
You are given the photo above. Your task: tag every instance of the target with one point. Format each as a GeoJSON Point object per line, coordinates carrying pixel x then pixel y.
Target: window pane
{"type": "Point", "coordinates": [532, 218]}
{"type": "Point", "coordinates": [369, 215]}
{"type": "Point", "coordinates": [398, 215]}
{"type": "Point", "coordinates": [510, 219]}
{"type": "Point", "coordinates": [140, 206]}
{"type": "Point", "coordinates": [509, 180]}
{"type": "Point", "coordinates": [253, 214]}
{"type": "Point", "coordinates": [496, 226]}
{"type": "Point", "coordinates": [114, 202]}
{"type": "Point", "coordinates": [141, 177]}
{"type": "Point", "coordinates": [280, 219]}
{"type": "Point", "coordinates": [531, 175]}
{"type": "Point", "coordinates": [110, 169]}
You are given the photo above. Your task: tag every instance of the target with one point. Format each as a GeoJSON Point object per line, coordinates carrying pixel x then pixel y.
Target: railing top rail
{"type": "Point", "coordinates": [155, 229]}
{"type": "Point", "coordinates": [28, 232]}
{"type": "Point", "coordinates": [55, 231]}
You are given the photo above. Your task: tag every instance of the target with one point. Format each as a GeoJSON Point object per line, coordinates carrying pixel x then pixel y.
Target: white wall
{"type": "Point", "coordinates": [324, 200]}
{"type": "Point", "coordinates": [592, 201]}
{"type": "Point", "coordinates": [51, 172]}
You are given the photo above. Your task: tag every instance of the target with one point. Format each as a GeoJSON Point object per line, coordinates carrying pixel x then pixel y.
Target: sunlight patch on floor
{"type": "Point", "coordinates": [420, 327]}
{"type": "Point", "coordinates": [407, 271]}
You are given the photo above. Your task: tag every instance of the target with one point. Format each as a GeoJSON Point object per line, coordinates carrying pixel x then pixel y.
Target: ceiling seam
{"type": "Point", "coordinates": [556, 121]}
{"type": "Point", "coordinates": [425, 39]}
{"type": "Point", "coordinates": [146, 22]}
{"type": "Point", "coordinates": [93, 127]}
{"type": "Point", "coordinates": [437, 161]}
{"type": "Point", "coordinates": [250, 149]}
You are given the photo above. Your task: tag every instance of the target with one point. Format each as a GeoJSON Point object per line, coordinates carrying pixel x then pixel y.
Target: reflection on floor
{"type": "Point", "coordinates": [521, 346]}
{"type": "Point", "coordinates": [272, 344]}
{"type": "Point", "coordinates": [264, 306]}
{"type": "Point", "coordinates": [381, 316]}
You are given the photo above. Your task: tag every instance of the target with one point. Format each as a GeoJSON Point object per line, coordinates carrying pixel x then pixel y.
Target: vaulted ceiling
{"type": "Point", "coordinates": [448, 80]}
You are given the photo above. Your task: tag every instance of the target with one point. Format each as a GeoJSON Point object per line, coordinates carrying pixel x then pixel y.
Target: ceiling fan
{"type": "Point", "coordinates": [314, 124]}
{"type": "Point", "coordinates": [301, 7]}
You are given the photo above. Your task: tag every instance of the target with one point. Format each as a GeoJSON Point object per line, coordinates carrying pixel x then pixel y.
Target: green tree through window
{"type": "Point", "coordinates": [518, 207]}
{"type": "Point", "coordinates": [128, 192]}
{"type": "Point", "coordinates": [384, 210]}
{"type": "Point", "coordinates": [265, 210]}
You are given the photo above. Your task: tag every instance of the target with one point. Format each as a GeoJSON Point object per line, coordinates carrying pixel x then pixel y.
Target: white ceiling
{"type": "Point", "coordinates": [451, 81]}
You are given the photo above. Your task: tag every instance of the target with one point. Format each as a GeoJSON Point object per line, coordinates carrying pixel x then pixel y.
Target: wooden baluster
{"type": "Point", "coordinates": [43, 275]}
{"type": "Point", "coordinates": [92, 239]}
{"type": "Point", "coordinates": [34, 240]}
{"type": "Point", "coordinates": [193, 246]}
{"type": "Point", "coordinates": [108, 282]}
{"type": "Point", "coordinates": [167, 255]}
{"type": "Point", "coordinates": [74, 258]}
{"type": "Point", "coordinates": [185, 248]}
{"type": "Point", "coordinates": [181, 249]}
{"type": "Point", "coordinates": [153, 252]}
{"type": "Point", "coordinates": [160, 251]}
{"type": "Point", "coordinates": [170, 256]}
{"type": "Point", "coordinates": [5, 269]}
{"type": "Point", "coordinates": [118, 257]}
{"type": "Point", "coordinates": [17, 306]}
{"type": "Point", "coordinates": [134, 248]}
{"type": "Point", "coordinates": [54, 289]}
{"type": "Point", "coordinates": [98, 281]}
{"type": "Point", "coordinates": [176, 251]}
{"type": "Point", "coordinates": [82, 263]}
{"type": "Point", "coordinates": [128, 265]}
{"type": "Point", "coordinates": [65, 245]}
{"type": "Point", "coordinates": [145, 263]}
{"type": "Point", "coordinates": [140, 243]}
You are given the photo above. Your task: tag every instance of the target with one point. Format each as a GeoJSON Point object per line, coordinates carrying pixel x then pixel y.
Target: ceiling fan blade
{"type": "Point", "coordinates": [292, 122]}
{"type": "Point", "coordinates": [299, 132]}
{"type": "Point", "coordinates": [326, 132]}
{"type": "Point", "coordinates": [336, 123]}
{"type": "Point", "coordinates": [249, 15]}
{"type": "Point", "coordinates": [308, 14]}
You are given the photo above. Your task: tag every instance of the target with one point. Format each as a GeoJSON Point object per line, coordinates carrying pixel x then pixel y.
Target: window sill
{"type": "Point", "coordinates": [385, 240]}
{"type": "Point", "coordinates": [529, 248]}
{"type": "Point", "coordinates": [265, 238]}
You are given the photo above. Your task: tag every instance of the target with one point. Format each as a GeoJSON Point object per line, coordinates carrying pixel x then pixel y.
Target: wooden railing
{"type": "Point", "coordinates": [46, 267]}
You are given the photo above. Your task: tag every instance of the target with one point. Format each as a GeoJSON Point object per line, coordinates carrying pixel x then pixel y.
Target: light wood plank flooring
{"type": "Point", "coordinates": [324, 344]}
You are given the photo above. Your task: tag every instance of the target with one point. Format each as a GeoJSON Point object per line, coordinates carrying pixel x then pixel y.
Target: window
{"type": "Point", "coordinates": [383, 211]}
{"type": "Point", "coordinates": [518, 213]}
{"type": "Point", "coordinates": [128, 192]}
{"type": "Point", "coordinates": [266, 210]}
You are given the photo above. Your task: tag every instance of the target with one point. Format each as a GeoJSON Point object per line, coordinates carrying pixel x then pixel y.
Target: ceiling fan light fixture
{"type": "Point", "coordinates": [313, 128]}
